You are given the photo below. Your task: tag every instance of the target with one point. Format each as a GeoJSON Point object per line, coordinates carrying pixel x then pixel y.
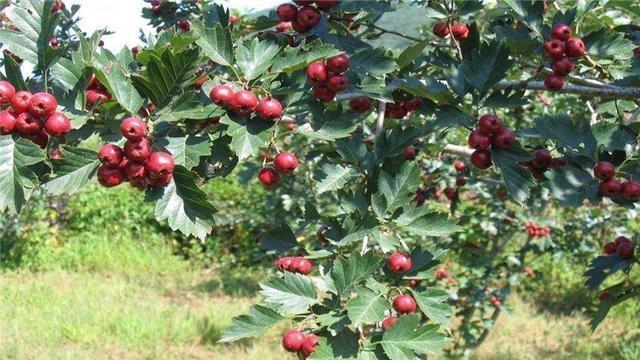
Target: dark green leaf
{"type": "Point", "coordinates": [76, 168]}
{"type": "Point", "coordinates": [259, 319]}
{"type": "Point", "coordinates": [279, 239]}
{"type": "Point", "coordinates": [290, 294]}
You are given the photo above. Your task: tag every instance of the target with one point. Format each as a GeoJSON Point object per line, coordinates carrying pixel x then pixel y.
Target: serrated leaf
{"type": "Point", "coordinates": [604, 266]}
{"type": "Point", "coordinates": [367, 307]}
{"type": "Point", "coordinates": [76, 168]}
{"type": "Point", "coordinates": [115, 78]}
{"type": "Point", "coordinates": [292, 59]}
{"type": "Point", "coordinates": [602, 44]}
{"type": "Point", "coordinates": [613, 136]}
{"type": "Point", "coordinates": [432, 303]}
{"type": "Point", "coordinates": [188, 150]}
{"type": "Point", "coordinates": [16, 179]}
{"type": "Point", "coordinates": [516, 178]}
{"type": "Point", "coordinates": [292, 294]}
{"type": "Point", "coordinates": [256, 57]}
{"type": "Point", "coordinates": [333, 321]}
{"type": "Point", "coordinates": [215, 42]}
{"type": "Point", "coordinates": [406, 337]}
{"type": "Point", "coordinates": [13, 73]}
{"type": "Point", "coordinates": [247, 135]}
{"type": "Point", "coordinates": [451, 116]}
{"type": "Point", "coordinates": [396, 190]}
{"type": "Point", "coordinates": [427, 87]}
{"type": "Point", "coordinates": [256, 322]}
{"type": "Point", "coordinates": [333, 177]}
{"type": "Point", "coordinates": [347, 272]}
{"type": "Point", "coordinates": [487, 65]}
{"type": "Point", "coordinates": [530, 12]}
{"type": "Point", "coordinates": [279, 239]}
{"type": "Point", "coordinates": [575, 135]}
{"type": "Point", "coordinates": [571, 186]}
{"type": "Point", "coordinates": [342, 346]}
{"type": "Point", "coordinates": [372, 61]}
{"type": "Point", "coordinates": [420, 221]}
{"type": "Point", "coordinates": [410, 54]}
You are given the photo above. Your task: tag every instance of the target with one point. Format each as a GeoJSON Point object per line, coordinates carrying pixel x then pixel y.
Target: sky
{"type": "Point", "coordinates": [124, 17]}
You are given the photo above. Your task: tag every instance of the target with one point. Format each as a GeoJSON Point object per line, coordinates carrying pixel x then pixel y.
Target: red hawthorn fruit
{"type": "Point", "coordinates": [323, 93]}
{"type": "Point", "coordinates": [133, 128]}
{"type": "Point", "coordinates": [451, 193]}
{"type": "Point", "coordinates": [529, 272]}
{"type": "Point", "coordinates": [301, 265]}
{"type": "Point", "coordinates": [283, 26]}
{"type": "Point", "coordinates": [110, 176]}
{"type": "Point", "coordinates": [28, 124]}
{"type": "Point", "coordinates": [309, 344]}
{"type": "Point", "coordinates": [42, 104]}
{"type": "Point", "coordinates": [268, 177]}
{"type": "Point", "coordinates": [20, 102]}
{"type": "Point", "coordinates": [57, 125]}
{"type": "Point", "coordinates": [337, 83]}
{"type": "Point", "coordinates": [7, 92]}
{"type": "Point", "coordinates": [134, 170]}
{"type": "Point", "coordinates": [479, 141]}
{"type": "Point", "coordinates": [414, 104]}
{"type": "Point", "coordinates": [317, 72]}
{"type": "Point", "coordinates": [338, 64]}
{"type": "Point", "coordinates": [41, 138]}
{"type": "Point", "coordinates": [284, 263]}
{"type": "Point", "coordinates": [183, 25]}
{"type": "Point", "coordinates": [554, 48]}
{"type": "Point", "coordinates": [625, 250]}
{"type": "Point", "coordinates": [139, 183]}
{"type": "Point", "coordinates": [55, 154]}
{"type": "Point", "coordinates": [440, 29]}
{"type": "Point", "coordinates": [54, 42]}
{"type": "Point", "coordinates": [399, 262]}
{"type": "Point", "coordinates": [221, 95]}
{"type": "Point", "coordinates": [541, 159]}
{"type": "Point", "coordinates": [137, 150]}
{"type": "Point", "coordinates": [7, 123]}
{"type": "Point", "coordinates": [460, 166]}
{"type": "Point", "coordinates": [409, 153]}
{"type": "Point", "coordinates": [441, 273]}
{"type": "Point", "coordinates": [360, 105]}
{"type": "Point", "coordinates": [160, 164]}
{"type": "Point", "coordinates": [404, 304]}
{"type": "Point", "coordinates": [244, 102]}
{"type": "Point", "coordinates": [155, 9]}
{"type": "Point", "coordinates": [460, 181]}
{"type": "Point", "coordinates": [636, 52]}
{"type": "Point", "coordinates": [604, 170]}
{"type": "Point", "coordinates": [111, 155]}
{"type": "Point", "coordinates": [503, 139]}
{"type": "Point", "coordinates": [557, 163]}
{"type": "Point", "coordinates": [299, 27]}
{"type": "Point", "coordinates": [285, 162]}
{"type": "Point", "coordinates": [308, 16]}
{"type": "Point", "coordinates": [489, 124]}
{"type": "Point", "coordinates": [287, 12]}
{"type": "Point", "coordinates": [604, 295]}
{"type": "Point", "coordinates": [414, 283]}
{"type": "Point", "coordinates": [420, 198]}
{"type": "Point", "coordinates": [396, 110]}
{"type": "Point", "coordinates": [292, 340]}
{"type": "Point", "coordinates": [481, 159]}
{"type": "Point", "coordinates": [609, 248]}
{"type": "Point", "coordinates": [269, 109]}
{"type": "Point", "coordinates": [459, 31]}
{"type": "Point", "coordinates": [554, 82]}
{"type": "Point", "coordinates": [386, 323]}
{"type": "Point", "coordinates": [631, 190]}
{"type": "Point", "coordinates": [562, 66]}
{"type": "Point", "coordinates": [326, 4]}
{"type": "Point", "coordinates": [158, 182]}
{"type": "Point", "coordinates": [95, 97]}
{"type": "Point", "coordinates": [561, 32]}
{"type": "Point", "coordinates": [574, 47]}
{"type": "Point", "coordinates": [234, 19]}
{"type": "Point", "coordinates": [610, 188]}
{"type": "Point", "coordinates": [621, 240]}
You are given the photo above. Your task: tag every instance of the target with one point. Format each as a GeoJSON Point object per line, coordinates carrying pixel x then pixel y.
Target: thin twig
{"type": "Point", "coordinates": [609, 91]}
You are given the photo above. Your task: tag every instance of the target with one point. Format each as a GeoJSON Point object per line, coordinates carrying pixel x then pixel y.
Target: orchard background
{"type": "Point", "coordinates": [323, 180]}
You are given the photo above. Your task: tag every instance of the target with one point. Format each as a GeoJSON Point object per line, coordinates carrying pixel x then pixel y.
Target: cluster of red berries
{"type": "Point", "coordinates": [32, 116]}
{"type": "Point", "coordinates": [441, 273]}
{"type": "Point", "coordinates": [399, 109]}
{"type": "Point", "coordinates": [296, 264]}
{"type": "Point", "coordinates": [495, 301]}
{"type": "Point", "coordinates": [535, 230]}
{"type": "Point", "coordinates": [459, 31]}
{"type": "Point", "coordinates": [360, 105]}
{"type": "Point", "coordinates": [244, 102]}
{"type": "Point", "coordinates": [284, 163]}
{"type": "Point", "coordinates": [541, 162]}
{"type": "Point", "coordinates": [610, 187]}
{"type": "Point", "coordinates": [328, 77]}
{"type": "Point", "coordinates": [96, 93]}
{"type": "Point", "coordinates": [561, 48]}
{"type": "Point", "coordinates": [296, 341]}
{"type": "Point", "coordinates": [399, 262]}
{"type": "Point", "coordinates": [57, 6]}
{"type": "Point", "coordinates": [306, 16]}
{"type": "Point", "coordinates": [490, 132]}
{"type": "Point", "coordinates": [402, 304]}
{"type": "Point", "coordinates": [137, 162]}
{"type": "Point", "coordinates": [622, 246]}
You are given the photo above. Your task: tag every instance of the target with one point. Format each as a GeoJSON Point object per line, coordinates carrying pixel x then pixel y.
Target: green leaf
{"type": "Point", "coordinates": [420, 221]}
{"type": "Point", "coordinates": [575, 135]}
{"type": "Point", "coordinates": [16, 180]}
{"type": "Point", "coordinates": [215, 42]}
{"type": "Point", "coordinates": [247, 135]}
{"type": "Point", "coordinates": [530, 12]}
{"type": "Point", "coordinates": [184, 205]}
{"type": "Point", "coordinates": [292, 59]}
{"type": "Point", "coordinates": [328, 125]}
{"type": "Point", "coordinates": [256, 322]}
{"type": "Point", "coordinates": [427, 87]}
{"type": "Point", "coordinates": [342, 346]}
{"type": "Point", "coordinates": [279, 239]}
{"type": "Point", "coordinates": [292, 294]}
{"type": "Point", "coordinates": [516, 178]}
{"type": "Point", "coordinates": [396, 190]}
{"type": "Point", "coordinates": [570, 186]}
{"type": "Point", "coordinates": [487, 65]}
{"type": "Point", "coordinates": [603, 44]}
{"type": "Point", "coordinates": [256, 57]}
{"type": "Point", "coordinates": [372, 61]}
{"type": "Point", "coordinates": [451, 116]}
{"type": "Point", "coordinates": [406, 337]}
{"type": "Point", "coordinates": [347, 272]}
{"type": "Point", "coordinates": [613, 136]}
{"type": "Point", "coordinates": [433, 304]}
{"type": "Point", "coordinates": [367, 307]}
{"type": "Point", "coordinates": [14, 75]}
{"type": "Point", "coordinates": [189, 108]}
{"type": "Point", "coordinates": [604, 266]}
{"type": "Point", "coordinates": [333, 321]}
{"type": "Point", "coordinates": [188, 150]}
{"type": "Point", "coordinates": [409, 55]}
{"type": "Point", "coordinates": [76, 168]}
{"type": "Point", "coordinates": [334, 177]}
{"type": "Point", "coordinates": [115, 78]}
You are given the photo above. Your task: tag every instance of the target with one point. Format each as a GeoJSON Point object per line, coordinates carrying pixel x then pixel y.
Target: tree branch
{"type": "Point", "coordinates": [608, 91]}
{"type": "Point", "coordinates": [380, 120]}
{"type": "Point", "coordinates": [457, 150]}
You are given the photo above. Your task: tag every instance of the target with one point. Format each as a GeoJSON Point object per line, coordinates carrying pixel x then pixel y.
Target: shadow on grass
{"type": "Point", "coordinates": [234, 282]}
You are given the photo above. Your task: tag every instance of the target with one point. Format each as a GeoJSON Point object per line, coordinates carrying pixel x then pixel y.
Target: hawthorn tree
{"type": "Point", "coordinates": [531, 103]}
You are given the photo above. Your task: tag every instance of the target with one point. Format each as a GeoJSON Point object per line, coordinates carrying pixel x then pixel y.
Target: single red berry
{"type": "Point", "coordinates": [284, 263]}
{"type": "Point", "coordinates": [414, 104]}
{"type": "Point", "coordinates": [183, 25]}
{"type": "Point", "coordinates": [404, 304]}
{"type": "Point", "coordinates": [338, 83]}
{"type": "Point", "coordinates": [221, 95]}
{"type": "Point", "coordinates": [489, 124]}
{"type": "Point", "coordinates": [109, 176]}
{"type": "Point", "coordinates": [561, 32]}
{"type": "Point", "coordinates": [111, 155]}
{"type": "Point", "coordinates": [441, 273]}
{"type": "Point", "coordinates": [308, 16]}
{"type": "Point", "coordinates": [574, 47]}
{"type": "Point", "coordinates": [399, 262]}
{"type": "Point", "coordinates": [20, 102]}
{"type": "Point", "coordinates": [133, 128]}
{"type": "Point", "coordinates": [55, 154]}
{"type": "Point", "coordinates": [338, 64]}
{"type": "Point", "coordinates": [396, 110]}
{"type": "Point", "coordinates": [478, 140]}
{"type": "Point", "coordinates": [7, 123]}
{"type": "Point", "coordinates": [610, 188]}
{"type": "Point", "coordinates": [360, 105]}
{"type": "Point", "coordinates": [562, 66]}
{"type": "Point", "coordinates": [287, 12]}
{"type": "Point", "coordinates": [7, 92]}
{"type": "Point", "coordinates": [269, 109]}
{"type": "Point", "coordinates": [158, 182]}
{"type": "Point", "coordinates": [137, 150]}
{"type": "Point", "coordinates": [292, 340]}
{"type": "Point", "coordinates": [541, 159]}
{"type": "Point", "coordinates": [96, 97]}
{"type": "Point", "coordinates": [283, 26]}
{"type": "Point", "coordinates": [326, 4]}
{"type": "Point", "coordinates": [610, 248]}
{"type": "Point", "coordinates": [160, 164]}
{"type": "Point", "coordinates": [554, 82]}
{"type": "Point", "coordinates": [386, 323]}
{"type": "Point", "coordinates": [460, 166]}
{"type": "Point", "coordinates": [42, 104]}
{"type": "Point", "coordinates": [409, 153]}
{"type": "Point", "coordinates": [29, 124]}
{"type": "Point", "coordinates": [54, 42]}
{"type": "Point", "coordinates": [57, 125]}
{"type": "Point", "coordinates": [604, 295]}
{"type": "Point", "coordinates": [503, 139]}
{"type": "Point", "coordinates": [234, 19]}
{"type": "Point", "coordinates": [317, 72]}
{"type": "Point", "coordinates": [557, 163]}
{"type": "Point", "coordinates": [625, 250]}
{"type": "Point", "coordinates": [300, 27]}
{"type": "Point", "coordinates": [135, 170]}
{"type": "Point", "coordinates": [244, 102]}
{"type": "Point", "coordinates": [621, 240]}
{"type": "Point", "coordinates": [631, 190]}
{"type": "Point", "coordinates": [420, 198]}
{"type": "Point", "coordinates": [460, 31]}
{"type": "Point", "coordinates": [285, 162]}
{"type": "Point", "coordinates": [301, 265]}
{"type": "Point", "coordinates": [309, 344]}
{"type": "Point", "coordinates": [414, 283]}
{"type": "Point", "coordinates": [440, 29]}
{"type": "Point", "coordinates": [451, 193]}
{"type": "Point", "coordinates": [604, 170]}
{"type": "Point", "coordinates": [323, 93]}
{"type": "Point", "coordinates": [155, 9]}
{"type": "Point", "coordinates": [554, 48]}
{"type": "Point", "coordinates": [268, 177]}
{"type": "Point", "coordinates": [460, 181]}
{"type": "Point", "coordinates": [481, 159]}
